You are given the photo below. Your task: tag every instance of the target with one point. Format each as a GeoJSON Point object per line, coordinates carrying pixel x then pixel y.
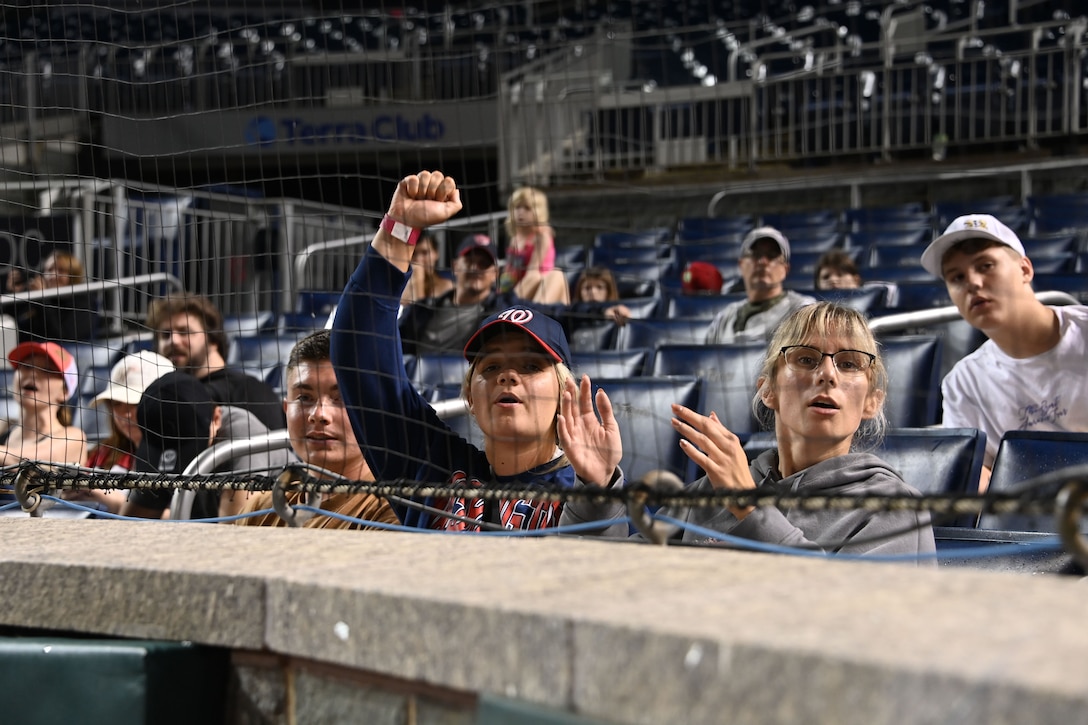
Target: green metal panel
{"type": "Point", "coordinates": [51, 680]}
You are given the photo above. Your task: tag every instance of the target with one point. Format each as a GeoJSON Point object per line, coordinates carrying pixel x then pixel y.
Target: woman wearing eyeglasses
{"type": "Point", "coordinates": [821, 389]}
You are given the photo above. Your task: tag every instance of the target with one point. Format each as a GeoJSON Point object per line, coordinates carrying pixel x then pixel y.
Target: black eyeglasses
{"type": "Point", "coordinates": [806, 359]}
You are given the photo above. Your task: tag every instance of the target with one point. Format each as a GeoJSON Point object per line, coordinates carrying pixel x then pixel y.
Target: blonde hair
{"type": "Point", "coordinates": [823, 319]}
{"type": "Point", "coordinates": [68, 266]}
{"type": "Point", "coordinates": [534, 199]}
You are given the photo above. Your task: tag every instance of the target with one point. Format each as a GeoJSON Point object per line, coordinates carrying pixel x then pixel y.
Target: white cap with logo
{"type": "Point", "coordinates": [130, 377]}
{"type": "Point", "coordinates": [969, 226]}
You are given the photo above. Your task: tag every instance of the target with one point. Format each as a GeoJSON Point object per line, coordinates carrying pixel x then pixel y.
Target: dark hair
{"type": "Point", "coordinates": [838, 260]}
{"type": "Point", "coordinates": [190, 304]}
{"type": "Point", "coordinates": [601, 273]}
{"type": "Point", "coordinates": [312, 348]}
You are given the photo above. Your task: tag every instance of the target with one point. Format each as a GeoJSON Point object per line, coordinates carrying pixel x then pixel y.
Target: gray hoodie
{"type": "Point", "coordinates": [854, 531]}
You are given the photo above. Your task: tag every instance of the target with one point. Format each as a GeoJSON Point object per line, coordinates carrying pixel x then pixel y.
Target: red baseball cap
{"type": "Point", "coordinates": [61, 358]}
{"type": "Point", "coordinates": [701, 278]}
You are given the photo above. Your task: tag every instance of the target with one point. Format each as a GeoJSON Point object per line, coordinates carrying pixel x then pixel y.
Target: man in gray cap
{"type": "Point", "coordinates": [1030, 374]}
{"type": "Point", "coordinates": [764, 263]}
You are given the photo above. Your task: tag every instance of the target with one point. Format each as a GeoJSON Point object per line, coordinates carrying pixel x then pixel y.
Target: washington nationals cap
{"type": "Point", "coordinates": [969, 226]}
{"type": "Point", "coordinates": [547, 332]}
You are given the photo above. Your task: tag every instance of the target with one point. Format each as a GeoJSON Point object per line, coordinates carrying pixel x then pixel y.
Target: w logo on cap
{"type": "Point", "coordinates": [516, 315]}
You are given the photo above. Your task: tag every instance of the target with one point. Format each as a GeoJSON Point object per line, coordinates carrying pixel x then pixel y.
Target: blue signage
{"type": "Point", "coordinates": [264, 132]}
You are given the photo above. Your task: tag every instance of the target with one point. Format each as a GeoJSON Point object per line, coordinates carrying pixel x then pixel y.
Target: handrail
{"type": "Point", "coordinates": [13, 298]}
{"type": "Point", "coordinates": [302, 259]}
{"type": "Point", "coordinates": [181, 505]}
{"type": "Point", "coordinates": [917, 318]}
{"type": "Point", "coordinates": [855, 181]}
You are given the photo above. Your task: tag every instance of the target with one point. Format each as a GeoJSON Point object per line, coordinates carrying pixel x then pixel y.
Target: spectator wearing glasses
{"type": "Point", "coordinates": [764, 263]}
{"type": "Point", "coordinates": [821, 389]}
{"type": "Point", "coordinates": [189, 332]}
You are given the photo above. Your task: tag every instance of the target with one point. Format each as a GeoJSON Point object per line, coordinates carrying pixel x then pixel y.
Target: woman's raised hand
{"type": "Point", "coordinates": [593, 446]}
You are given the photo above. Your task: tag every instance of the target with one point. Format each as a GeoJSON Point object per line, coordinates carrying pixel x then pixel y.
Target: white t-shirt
{"type": "Point", "coordinates": [995, 393]}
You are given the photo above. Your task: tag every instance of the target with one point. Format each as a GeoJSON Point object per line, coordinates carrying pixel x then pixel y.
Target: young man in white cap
{"type": "Point", "coordinates": [764, 263]}
{"type": "Point", "coordinates": [1030, 374]}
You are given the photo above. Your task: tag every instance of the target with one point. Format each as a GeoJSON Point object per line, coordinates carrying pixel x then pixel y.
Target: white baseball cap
{"type": "Point", "coordinates": [969, 226]}
{"type": "Point", "coordinates": [766, 233]}
{"type": "Point", "coordinates": [130, 377]}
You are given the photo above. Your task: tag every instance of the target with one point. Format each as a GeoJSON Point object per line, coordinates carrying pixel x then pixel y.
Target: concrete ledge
{"type": "Point", "coordinates": [623, 632]}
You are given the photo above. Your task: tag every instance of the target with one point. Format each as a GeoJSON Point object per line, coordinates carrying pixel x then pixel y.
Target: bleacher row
{"type": "Point", "coordinates": [885, 242]}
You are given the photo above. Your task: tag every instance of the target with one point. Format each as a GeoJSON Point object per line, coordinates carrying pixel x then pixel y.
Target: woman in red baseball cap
{"type": "Point", "coordinates": [45, 380]}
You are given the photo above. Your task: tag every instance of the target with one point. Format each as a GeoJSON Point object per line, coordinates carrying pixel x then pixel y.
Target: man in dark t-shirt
{"type": "Point", "coordinates": [188, 330]}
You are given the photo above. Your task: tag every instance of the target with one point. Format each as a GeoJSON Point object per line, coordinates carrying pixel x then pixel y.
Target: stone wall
{"type": "Point", "coordinates": [341, 626]}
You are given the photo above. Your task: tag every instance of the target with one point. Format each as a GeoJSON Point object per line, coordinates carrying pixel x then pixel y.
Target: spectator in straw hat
{"type": "Point", "coordinates": [764, 263]}
{"type": "Point", "coordinates": [115, 453]}
{"type": "Point", "coordinates": [1029, 374]}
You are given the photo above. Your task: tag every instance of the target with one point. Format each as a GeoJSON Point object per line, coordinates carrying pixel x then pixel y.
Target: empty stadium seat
{"type": "Point", "coordinates": [651, 333]}
{"type": "Point", "coordinates": [614, 257]}
{"type": "Point", "coordinates": [728, 372]}
{"type": "Point", "coordinates": [643, 411]}
{"type": "Point", "coordinates": [867, 300]}
{"type": "Point", "coordinates": [433, 370]}
{"type": "Point", "coordinates": [914, 390]}
{"type": "Point", "coordinates": [261, 351]}
{"type": "Point", "coordinates": [869, 238]}
{"type": "Point", "coordinates": [591, 337]}
{"type": "Point", "coordinates": [918, 294]}
{"type": "Point", "coordinates": [317, 303]}
{"type": "Point", "coordinates": [906, 255]}
{"type": "Point", "coordinates": [251, 323]}
{"type": "Point", "coordinates": [610, 363]}
{"type": "Point", "coordinates": [1023, 455]}
{"type": "Point", "coordinates": [703, 307]}
{"type": "Point", "coordinates": [644, 238]}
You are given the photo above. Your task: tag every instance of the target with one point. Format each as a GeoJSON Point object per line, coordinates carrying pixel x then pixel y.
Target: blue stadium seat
{"type": "Point", "coordinates": [642, 407]}
{"type": "Point", "coordinates": [866, 300]}
{"type": "Point", "coordinates": [614, 257]}
{"type": "Point", "coordinates": [651, 333]}
{"type": "Point", "coordinates": [869, 238]}
{"type": "Point", "coordinates": [435, 369]}
{"type": "Point", "coordinates": [904, 256]}
{"type": "Point", "coordinates": [570, 257]}
{"type": "Point", "coordinates": [728, 372]}
{"type": "Point", "coordinates": [932, 460]}
{"type": "Point", "coordinates": [592, 337]}
{"type": "Point", "coordinates": [610, 363]}
{"type": "Point", "coordinates": [644, 238]}
{"type": "Point", "coordinates": [921, 294]}
{"type": "Point", "coordinates": [910, 215]}
{"type": "Point", "coordinates": [913, 363]}
{"type": "Point", "coordinates": [816, 219]}
{"type": "Point", "coordinates": [261, 351]}
{"type": "Point", "coordinates": [1023, 455]}
{"type": "Point", "coordinates": [300, 322]}
{"type": "Point", "coordinates": [317, 303]}
{"type": "Point", "coordinates": [252, 323]}
{"type": "Point", "coordinates": [703, 307]}
{"type": "Point", "coordinates": [1074, 284]}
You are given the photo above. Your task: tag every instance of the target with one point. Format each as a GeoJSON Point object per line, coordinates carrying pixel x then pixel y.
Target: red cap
{"type": "Point", "coordinates": [701, 278]}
